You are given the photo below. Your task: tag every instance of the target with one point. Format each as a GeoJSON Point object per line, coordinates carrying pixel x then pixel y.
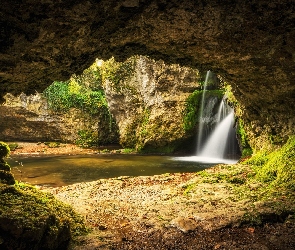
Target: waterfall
{"type": "Point", "coordinates": [216, 144]}
{"type": "Point", "coordinates": [201, 118]}
{"type": "Point", "coordinates": [220, 145]}
{"type": "Point", "coordinates": [216, 138]}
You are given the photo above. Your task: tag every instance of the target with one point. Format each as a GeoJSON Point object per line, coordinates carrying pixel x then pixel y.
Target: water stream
{"type": "Point", "coordinates": [65, 170]}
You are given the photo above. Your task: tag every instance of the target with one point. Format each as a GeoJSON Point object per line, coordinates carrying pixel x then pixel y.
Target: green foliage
{"type": "Point", "coordinates": [87, 138]}
{"type": "Point", "coordinates": [192, 104]}
{"type": "Point", "coordinates": [4, 150]}
{"type": "Point", "coordinates": [246, 152]}
{"type": "Point", "coordinates": [61, 96]}
{"type": "Point", "coordinates": [13, 146]}
{"type": "Point", "coordinates": [58, 96]}
{"type": "Point", "coordinates": [52, 144]}
{"type": "Point", "coordinates": [128, 150]}
{"type": "Point", "coordinates": [117, 72]}
{"type": "Point", "coordinates": [243, 138]}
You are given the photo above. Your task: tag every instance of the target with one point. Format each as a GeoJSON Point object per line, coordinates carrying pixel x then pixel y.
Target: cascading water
{"type": "Point", "coordinates": [219, 145]}
{"type": "Point", "coordinates": [216, 138]}
{"type": "Point", "coordinates": [215, 146]}
{"type": "Point", "coordinates": [201, 118]}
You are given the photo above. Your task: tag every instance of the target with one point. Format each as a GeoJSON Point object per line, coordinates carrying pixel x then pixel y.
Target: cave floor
{"type": "Point", "coordinates": [174, 211]}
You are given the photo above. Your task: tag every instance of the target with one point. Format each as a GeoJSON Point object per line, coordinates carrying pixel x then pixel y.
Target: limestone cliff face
{"type": "Point", "coordinates": [149, 105]}
{"type": "Point", "coordinates": [251, 44]}
{"type": "Point", "coordinates": [28, 118]}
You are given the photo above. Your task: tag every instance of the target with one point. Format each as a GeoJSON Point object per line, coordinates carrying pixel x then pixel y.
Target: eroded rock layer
{"type": "Point", "coordinates": [251, 44]}
{"type": "Point", "coordinates": [28, 118]}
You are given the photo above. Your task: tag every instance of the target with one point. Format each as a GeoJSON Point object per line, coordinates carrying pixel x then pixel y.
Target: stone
{"type": "Point", "coordinates": [28, 118]}
{"type": "Point", "coordinates": [184, 224]}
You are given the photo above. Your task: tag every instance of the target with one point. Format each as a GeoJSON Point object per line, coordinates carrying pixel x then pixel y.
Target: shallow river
{"type": "Point", "coordinates": [65, 170]}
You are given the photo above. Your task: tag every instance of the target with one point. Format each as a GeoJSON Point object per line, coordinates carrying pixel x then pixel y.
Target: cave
{"type": "Point", "coordinates": [249, 44]}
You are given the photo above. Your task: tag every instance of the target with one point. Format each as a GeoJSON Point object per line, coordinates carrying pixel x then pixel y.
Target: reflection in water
{"type": "Point", "coordinates": [66, 170]}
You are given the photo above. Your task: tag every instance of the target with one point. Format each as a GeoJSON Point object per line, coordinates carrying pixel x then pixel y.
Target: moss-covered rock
{"type": "Point", "coordinates": [4, 150]}
{"type": "Point", "coordinates": [6, 177]}
{"type": "Point", "coordinates": [278, 166]}
{"type": "Point", "coordinates": [4, 165]}
{"type": "Point", "coordinates": [31, 219]}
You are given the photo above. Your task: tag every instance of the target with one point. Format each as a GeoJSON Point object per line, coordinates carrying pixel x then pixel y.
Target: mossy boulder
{"type": "Point", "coordinates": [31, 219]}
{"type": "Point", "coordinates": [6, 177]}
{"type": "Point", "coordinates": [4, 165]}
{"type": "Point", "coordinates": [276, 167]}
{"type": "Point", "coordinates": [4, 150]}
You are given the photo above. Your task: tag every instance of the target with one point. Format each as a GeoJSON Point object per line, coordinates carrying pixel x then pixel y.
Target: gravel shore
{"type": "Point", "coordinates": [172, 211]}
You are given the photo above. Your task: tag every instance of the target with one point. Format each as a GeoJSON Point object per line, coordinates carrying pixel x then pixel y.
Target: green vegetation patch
{"type": "Point", "coordinates": [277, 167]}
{"type": "Point", "coordinates": [256, 200]}
{"type": "Point", "coordinates": [192, 107]}
{"type": "Point", "coordinates": [4, 150]}
{"type": "Point", "coordinates": [61, 96]}
{"type": "Point", "coordinates": [192, 104]}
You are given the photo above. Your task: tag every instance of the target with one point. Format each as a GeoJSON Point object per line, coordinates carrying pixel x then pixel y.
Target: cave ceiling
{"type": "Point", "coordinates": [251, 44]}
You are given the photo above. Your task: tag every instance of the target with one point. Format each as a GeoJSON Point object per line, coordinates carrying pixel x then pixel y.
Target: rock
{"type": "Point", "coordinates": [184, 224]}
{"type": "Point", "coordinates": [149, 105]}
{"type": "Point", "coordinates": [28, 118]}
{"type": "Point", "coordinates": [6, 177]}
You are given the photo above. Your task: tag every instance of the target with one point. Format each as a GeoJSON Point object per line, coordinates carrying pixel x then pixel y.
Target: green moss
{"type": "Point", "coordinates": [277, 167]}
{"type": "Point", "coordinates": [52, 144]}
{"type": "Point", "coordinates": [13, 146]}
{"type": "Point", "coordinates": [190, 116]}
{"type": "Point", "coordinates": [6, 177]}
{"type": "Point", "coordinates": [4, 165]}
{"type": "Point", "coordinates": [30, 208]}
{"type": "Point", "coordinates": [243, 139]}
{"type": "Point", "coordinates": [192, 107]}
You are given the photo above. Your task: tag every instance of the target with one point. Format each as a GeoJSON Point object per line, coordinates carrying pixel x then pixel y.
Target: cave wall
{"type": "Point", "coordinates": [149, 106]}
{"type": "Point", "coordinates": [250, 44]}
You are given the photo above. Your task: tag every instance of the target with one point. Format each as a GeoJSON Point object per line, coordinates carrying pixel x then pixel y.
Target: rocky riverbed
{"type": "Point", "coordinates": [174, 211]}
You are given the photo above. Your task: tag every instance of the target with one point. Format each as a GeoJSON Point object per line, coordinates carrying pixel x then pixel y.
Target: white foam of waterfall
{"type": "Point", "coordinates": [216, 144]}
